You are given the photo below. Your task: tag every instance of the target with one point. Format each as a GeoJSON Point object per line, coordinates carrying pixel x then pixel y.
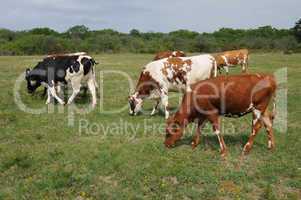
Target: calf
{"type": "Point", "coordinates": [227, 59]}
{"type": "Point", "coordinates": [230, 96]}
{"type": "Point", "coordinates": [176, 73]}
{"type": "Point", "coordinates": [56, 70]}
{"type": "Point", "coordinates": [169, 54]}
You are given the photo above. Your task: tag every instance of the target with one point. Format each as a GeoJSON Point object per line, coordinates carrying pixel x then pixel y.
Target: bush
{"type": "Point", "coordinates": [80, 38]}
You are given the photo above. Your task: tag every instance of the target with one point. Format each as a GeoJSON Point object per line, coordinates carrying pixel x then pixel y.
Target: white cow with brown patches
{"type": "Point", "coordinates": [228, 59]}
{"type": "Point", "coordinates": [161, 76]}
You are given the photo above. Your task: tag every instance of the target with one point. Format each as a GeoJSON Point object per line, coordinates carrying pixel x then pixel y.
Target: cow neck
{"type": "Point", "coordinates": [185, 114]}
{"type": "Point", "coordinates": [146, 84]}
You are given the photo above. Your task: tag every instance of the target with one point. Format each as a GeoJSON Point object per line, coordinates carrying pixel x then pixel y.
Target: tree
{"type": "Point", "coordinates": [78, 32]}
{"type": "Point", "coordinates": [43, 31]}
{"type": "Point", "coordinates": [297, 30]}
{"type": "Point", "coordinates": [135, 33]}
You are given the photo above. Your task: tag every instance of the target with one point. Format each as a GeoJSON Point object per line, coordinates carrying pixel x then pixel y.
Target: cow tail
{"type": "Point", "coordinates": [274, 86]}
{"type": "Point", "coordinates": [274, 106]}
{"type": "Point", "coordinates": [215, 67]}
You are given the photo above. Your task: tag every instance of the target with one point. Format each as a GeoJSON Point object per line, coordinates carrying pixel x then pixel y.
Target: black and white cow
{"type": "Point", "coordinates": [56, 70]}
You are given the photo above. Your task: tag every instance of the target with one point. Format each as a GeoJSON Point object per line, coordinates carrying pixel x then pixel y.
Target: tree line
{"type": "Point", "coordinates": [80, 38]}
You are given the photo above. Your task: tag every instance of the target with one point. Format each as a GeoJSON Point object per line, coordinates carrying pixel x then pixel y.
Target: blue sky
{"type": "Point", "coordinates": [153, 15]}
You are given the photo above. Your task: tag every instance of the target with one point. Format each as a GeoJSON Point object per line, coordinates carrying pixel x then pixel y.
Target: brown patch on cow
{"type": "Point", "coordinates": [168, 54]}
{"type": "Point", "coordinates": [179, 69]}
{"type": "Point", "coordinates": [146, 84]}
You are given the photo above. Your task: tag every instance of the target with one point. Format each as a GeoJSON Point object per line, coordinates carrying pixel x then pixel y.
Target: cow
{"type": "Point", "coordinates": [229, 96]}
{"type": "Point", "coordinates": [63, 55]}
{"type": "Point", "coordinates": [227, 59]}
{"type": "Point", "coordinates": [53, 71]}
{"type": "Point", "coordinates": [169, 54]}
{"type": "Point", "coordinates": [175, 73]}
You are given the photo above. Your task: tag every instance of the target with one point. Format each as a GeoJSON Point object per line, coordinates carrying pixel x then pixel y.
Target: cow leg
{"type": "Point", "coordinates": [155, 107]}
{"type": "Point", "coordinates": [227, 69]}
{"type": "Point", "coordinates": [215, 121]}
{"type": "Point", "coordinates": [59, 91]}
{"type": "Point", "coordinates": [196, 139]}
{"type": "Point", "coordinates": [44, 92]}
{"type": "Point", "coordinates": [268, 122]}
{"type": "Point", "coordinates": [76, 84]}
{"type": "Point", "coordinates": [245, 65]}
{"type": "Point", "coordinates": [164, 100]}
{"type": "Point", "coordinates": [54, 94]}
{"type": "Point", "coordinates": [91, 86]}
{"type": "Point", "coordinates": [48, 96]}
{"type": "Point", "coordinates": [256, 125]}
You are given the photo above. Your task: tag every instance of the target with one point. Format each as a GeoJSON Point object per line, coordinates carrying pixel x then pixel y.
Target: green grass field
{"type": "Point", "coordinates": [58, 155]}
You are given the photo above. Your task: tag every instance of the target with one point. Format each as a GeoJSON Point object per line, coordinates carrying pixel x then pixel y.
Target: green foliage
{"type": "Point", "coordinates": [80, 38]}
{"type": "Point", "coordinates": [297, 30]}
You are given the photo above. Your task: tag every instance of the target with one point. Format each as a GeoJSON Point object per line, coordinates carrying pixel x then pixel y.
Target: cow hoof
{"type": "Point", "coordinates": [271, 145]}
{"type": "Point", "coordinates": [224, 155]}
{"type": "Point", "coordinates": [193, 145]}
{"type": "Point", "coordinates": [245, 152]}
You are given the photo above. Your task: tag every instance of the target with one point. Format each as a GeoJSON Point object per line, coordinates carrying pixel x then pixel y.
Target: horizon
{"type": "Point", "coordinates": [143, 31]}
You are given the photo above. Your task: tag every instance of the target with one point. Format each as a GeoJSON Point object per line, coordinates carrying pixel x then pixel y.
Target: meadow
{"type": "Point", "coordinates": [108, 154]}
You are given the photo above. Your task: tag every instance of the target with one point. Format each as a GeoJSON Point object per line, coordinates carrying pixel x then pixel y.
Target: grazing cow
{"type": "Point", "coordinates": [176, 73]}
{"type": "Point", "coordinates": [168, 54]}
{"type": "Point", "coordinates": [63, 55]}
{"type": "Point", "coordinates": [227, 59]}
{"type": "Point", "coordinates": [230, 96]}
{"type": "Point", "coordinates": [55, 70]}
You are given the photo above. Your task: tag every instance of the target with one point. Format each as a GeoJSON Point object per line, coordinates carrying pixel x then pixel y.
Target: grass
{"type": "Point", "coordinates": [49, 156]}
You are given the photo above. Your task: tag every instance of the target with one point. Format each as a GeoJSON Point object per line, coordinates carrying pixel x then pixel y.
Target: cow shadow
{"type": "Point", "coordinates": [211, 141]}
{"type": "Point", "coordinates": [160, 112]}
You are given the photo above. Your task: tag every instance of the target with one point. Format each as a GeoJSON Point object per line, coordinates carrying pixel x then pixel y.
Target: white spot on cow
{"type": "Point", "coordinates": [32, 82]}
{"type": "Point", "coordinates": [225, 60]}
{"type": "Point", "coordinates": [250, 106]}
{"type": "Point", "coordinates": [257, 114]}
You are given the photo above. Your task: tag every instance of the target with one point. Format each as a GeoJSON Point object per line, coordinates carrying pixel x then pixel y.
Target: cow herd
{"type": "Point", "coordinates": [207, 93]}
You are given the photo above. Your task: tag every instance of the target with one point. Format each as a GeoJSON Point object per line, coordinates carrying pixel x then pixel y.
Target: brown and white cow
{"type": "Point", "coordinates": [175, 73]}
{"type": "Point", "coordinates": [230, 96]}
{"type": "Point", "coordinates": [169, 54]}
{"type": "Point", "coordinates": [228, 59]}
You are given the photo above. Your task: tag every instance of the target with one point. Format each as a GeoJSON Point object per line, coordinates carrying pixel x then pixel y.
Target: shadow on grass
{"type": "Point", "coordinates": [212, 140]}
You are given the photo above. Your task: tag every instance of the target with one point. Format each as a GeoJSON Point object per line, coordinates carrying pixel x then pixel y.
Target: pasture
{"type": "Point", "coordinates": [108, 154]}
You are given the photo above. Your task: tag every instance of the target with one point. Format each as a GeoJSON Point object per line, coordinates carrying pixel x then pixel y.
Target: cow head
{"type": "Point", "coordinates": [174, 132]}
{"type": "Point", "coordinates": [135, 103]}
{"type": "Point", "coordinates": [32, 82]}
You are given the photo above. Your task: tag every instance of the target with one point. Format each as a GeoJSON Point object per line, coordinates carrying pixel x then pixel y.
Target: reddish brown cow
{"type": "Point", "coordinates": [230, 96]}
{"type": "Point", "coordinates": [227, 59]}
{"type": "Point", "coordinates": [169, 54]}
